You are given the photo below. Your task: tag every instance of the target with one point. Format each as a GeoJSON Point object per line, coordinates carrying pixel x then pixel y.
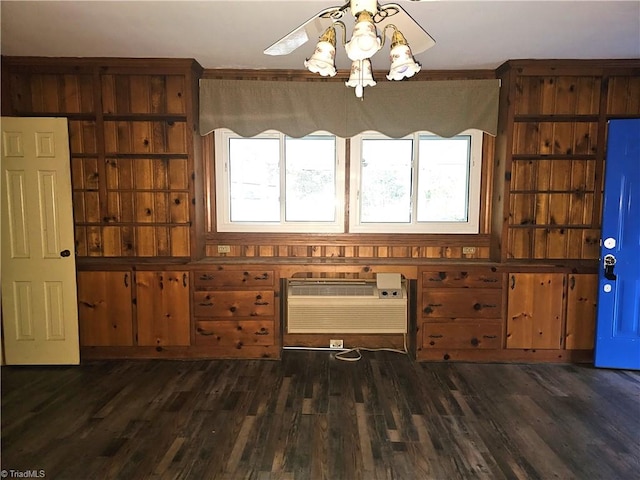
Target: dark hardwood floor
{"type": "Point", "coordinates": [311, 416]}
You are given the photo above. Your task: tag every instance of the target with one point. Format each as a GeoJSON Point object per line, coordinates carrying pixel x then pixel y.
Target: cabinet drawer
{"type": "Point", "coordinates": [462, 303]}
{"type": "Point", "coordinates": [227, 333]}
{"type": "Point", "coordinates": [462, 279]}
{"type": "Point", "coordinates": [234, 304]}
{"type": "Point", "coordinates": [462, 335]}
{"type": "Point", "coordinates": [233, 278]}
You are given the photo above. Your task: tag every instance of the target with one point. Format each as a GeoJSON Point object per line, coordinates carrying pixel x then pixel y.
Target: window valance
{"type": "Point", "coordinates": [395, 109]}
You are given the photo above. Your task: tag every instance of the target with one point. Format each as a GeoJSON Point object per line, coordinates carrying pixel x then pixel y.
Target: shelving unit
{"type": "Point", "coordinates": [132, 144]}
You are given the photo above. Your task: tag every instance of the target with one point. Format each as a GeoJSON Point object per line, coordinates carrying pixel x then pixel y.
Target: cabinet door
{"type": "Point", "coordinates": [582, 295]}
{"type": "Point", "coordinates": [104, 308]}
{"type": "Point", "coordinates": [534, 313]}
{"type": "Point", "coordinates": [163, 308]}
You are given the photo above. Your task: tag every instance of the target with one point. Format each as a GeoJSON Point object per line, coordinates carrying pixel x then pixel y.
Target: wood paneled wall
{"type": "Point", "coordinates": [550, 155]}
{"type": "Point", "coordinates": [142, 189]}
{"type": "Point", "coordinates": [131, 125]}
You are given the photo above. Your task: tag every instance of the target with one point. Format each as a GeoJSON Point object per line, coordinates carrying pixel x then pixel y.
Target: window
{"type": "Point", "coordinates": [417, 184]}
{"type": "Point", "coordinates": [275, 183]}
{"type": "Point", "coordinates": [421, 183]}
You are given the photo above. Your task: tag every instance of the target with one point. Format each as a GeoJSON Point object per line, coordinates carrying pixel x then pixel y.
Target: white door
{"type": "Point", "coordinates": [39, 300]}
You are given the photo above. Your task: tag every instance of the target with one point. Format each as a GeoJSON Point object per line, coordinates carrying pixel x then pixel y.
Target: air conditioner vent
{"type": "Point", "coordinates": [332, 290]}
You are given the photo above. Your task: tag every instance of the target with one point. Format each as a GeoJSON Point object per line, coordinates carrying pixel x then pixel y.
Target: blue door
{"type": "Point", "coordinates": [618, 322]}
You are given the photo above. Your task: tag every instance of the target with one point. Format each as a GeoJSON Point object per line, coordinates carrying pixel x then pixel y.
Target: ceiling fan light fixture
{"type": "Point", "coordinates": [403, 64]}
{"type": "Point", "coordinates": [365, 41]}
{"type": "Point", "coordinates": [323, 59]}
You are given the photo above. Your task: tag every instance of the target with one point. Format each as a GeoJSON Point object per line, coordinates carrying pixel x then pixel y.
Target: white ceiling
{"type": "Point", "coordinates": [233, 34]}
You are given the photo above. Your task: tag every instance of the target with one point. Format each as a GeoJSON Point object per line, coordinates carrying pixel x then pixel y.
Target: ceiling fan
{"type": "Point", "coordinates": [370, 18]}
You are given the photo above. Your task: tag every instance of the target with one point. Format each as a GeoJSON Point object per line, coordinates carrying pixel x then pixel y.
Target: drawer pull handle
{"type": "Point", "coordinates": [261, 304]}
{"type": "Point", "coordinates": [204, 332]}
{"type": "Point", "coordinates": [206, 304]}
{"type": "Point", "coordinates": [126, 280]}
{"type": "Point", "coordinates": [489, 280]}
{"type": "Point", "coordinates": [262, 331]}
{"type": "Point", "coordinates": [480, 306]}
{"type": "Point", "coordinates": [435, 336]}
{"type": "Point", "coordinates": [87, 304]}
{"type": "Point", "coordinates": [207, 276]}
{"type": "Point", "coordinates": [264, 276]}
{"type": "Point", "coordinates": [434, 304]}
{"type": "Point", "coordinates": [184, 279]}
{"type": "Point", "coordinates": [489, 336]}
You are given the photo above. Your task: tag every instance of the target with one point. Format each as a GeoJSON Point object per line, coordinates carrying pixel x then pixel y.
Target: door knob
{"type": "Point", "coordinates": [609, 263]}
{"type": "Point", "coordinates": [65, 253]}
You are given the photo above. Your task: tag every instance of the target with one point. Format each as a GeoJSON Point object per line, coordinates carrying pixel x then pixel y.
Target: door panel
{"type": "Point", "coordinates": [39, 306]}
{"type": "Point", "coordinates": [618, 322]}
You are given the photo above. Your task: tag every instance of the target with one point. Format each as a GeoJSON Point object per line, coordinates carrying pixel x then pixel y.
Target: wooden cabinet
{"type": "Point", "coordinates": [163, 315]}
{"type": "Point", "coordinates": [108, 318]}
{"type": "Point", "coordinates": [551, 311]}
{"type": "Point", "coordinates": [105, 311]}
{"type": "Point", "coordinates": [459, 310]}
{"type": "Point", "coordinates": [235, 311]}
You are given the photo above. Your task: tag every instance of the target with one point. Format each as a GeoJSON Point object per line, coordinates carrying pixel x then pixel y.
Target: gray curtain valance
{"type": "Point", "coordinates": [396, 109]}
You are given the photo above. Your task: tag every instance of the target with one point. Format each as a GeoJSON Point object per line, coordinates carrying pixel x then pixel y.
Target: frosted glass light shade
{"type": "Point", "coordinates": [364, 42]}
{"type": "Point", "coordinates": [360, 76]}
{"type": "Point", "coordinates": [323, 59]}
{"type": "Point", "coordinates": [402, 63]}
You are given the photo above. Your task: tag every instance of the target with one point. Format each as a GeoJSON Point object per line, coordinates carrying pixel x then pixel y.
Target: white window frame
{"type": "Point", "coordinates": [223, 191]}
{"type": "Point", "coordinates": [471, 226]}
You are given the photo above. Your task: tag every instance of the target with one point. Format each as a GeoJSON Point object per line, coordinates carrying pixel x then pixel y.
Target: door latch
{"type": "Point", "coordinates": [609, 264]}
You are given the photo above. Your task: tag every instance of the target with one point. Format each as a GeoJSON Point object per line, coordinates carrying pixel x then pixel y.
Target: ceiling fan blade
{"type": "Point", "coordinates": [311, 29]}
{"type": "Point", "coordinates": [417, 38]}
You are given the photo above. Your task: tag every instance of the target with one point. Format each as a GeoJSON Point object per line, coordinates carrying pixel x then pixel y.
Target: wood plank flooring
{"type": "Point", "coordinates": [312, 417]}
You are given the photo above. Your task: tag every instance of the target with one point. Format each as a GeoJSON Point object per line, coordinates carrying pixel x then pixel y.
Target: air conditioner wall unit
{"type": "Point", "coordinates": [344, 306]}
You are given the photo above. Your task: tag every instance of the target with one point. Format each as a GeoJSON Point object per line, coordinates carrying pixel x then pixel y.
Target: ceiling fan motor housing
{"type": "Point", "coordinates": [358, 6]}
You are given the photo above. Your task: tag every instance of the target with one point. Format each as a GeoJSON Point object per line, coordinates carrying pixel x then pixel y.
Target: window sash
{"type": "Point", "coordinates": [223, 177]}
{"type": "Point", "coordinates": [470, 225]}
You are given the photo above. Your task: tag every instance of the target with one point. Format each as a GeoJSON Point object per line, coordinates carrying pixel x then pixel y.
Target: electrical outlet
{"type": "Point", "coordinates": [468, 250]}
{"type": "Point", "coordinates": [224, 248]}
{"type": "Point", "coordinates": [336, 344]}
